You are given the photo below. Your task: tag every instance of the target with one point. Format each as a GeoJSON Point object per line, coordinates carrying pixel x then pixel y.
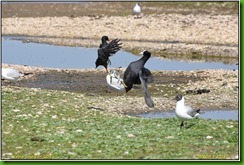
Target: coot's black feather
{"type": "Point", "coordinates": [106, 50]}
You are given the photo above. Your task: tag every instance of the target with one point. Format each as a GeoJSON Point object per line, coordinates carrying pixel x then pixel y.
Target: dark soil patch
{"type": "Point", "coordinates": [94, 83]}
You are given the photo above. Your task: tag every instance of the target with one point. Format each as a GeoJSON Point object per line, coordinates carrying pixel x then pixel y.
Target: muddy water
{"type": "Point", "coordinates": [44, 55]}
{"type": "Point", "coordinates": [209, 114]}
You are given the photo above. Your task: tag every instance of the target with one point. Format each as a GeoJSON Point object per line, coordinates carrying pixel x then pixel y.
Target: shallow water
{"type": "Point", "coordinates": [45, 55]}
{"type": "Point", "coordinates": [213, 114]}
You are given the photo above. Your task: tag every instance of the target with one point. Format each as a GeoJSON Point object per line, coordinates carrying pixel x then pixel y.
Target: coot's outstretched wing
{"type": "Point", "coordinates": [145, 77]}
{"type": "Point", "coordinates": [110, 49]}
{"type": "Point", "coordinates": [106, 51]}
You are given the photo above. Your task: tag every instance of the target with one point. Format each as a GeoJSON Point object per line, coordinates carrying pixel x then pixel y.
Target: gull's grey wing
{"type": "Point", "coordinates": [146, 94]}
{"type": "Point", "coordinates": [191, 111]}
{"type": "Point", "coordinates": [14, 75]}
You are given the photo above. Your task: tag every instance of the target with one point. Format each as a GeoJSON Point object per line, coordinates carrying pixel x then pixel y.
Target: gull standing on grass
{"type": "Point", "coordinates": [184, 112]}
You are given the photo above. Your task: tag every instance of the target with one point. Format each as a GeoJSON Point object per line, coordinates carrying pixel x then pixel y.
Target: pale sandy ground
{"type": "Point", "coordinates": [214, 35]}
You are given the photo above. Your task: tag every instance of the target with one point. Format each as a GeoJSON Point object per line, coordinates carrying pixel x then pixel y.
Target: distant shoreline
{"type": "Point", "coordinates": [192, 33]}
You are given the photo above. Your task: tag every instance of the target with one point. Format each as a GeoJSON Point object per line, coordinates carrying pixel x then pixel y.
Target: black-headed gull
{"type": "Point", "coordinates": [184, 112]}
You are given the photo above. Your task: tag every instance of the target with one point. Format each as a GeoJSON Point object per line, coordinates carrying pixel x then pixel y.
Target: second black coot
{"type": "Point", "coordinates": [136, 73]}
{"type": "Point", "coordinates": [106, 50]}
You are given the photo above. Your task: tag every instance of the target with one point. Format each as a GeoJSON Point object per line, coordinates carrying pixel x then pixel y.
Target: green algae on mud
{"type": "Point", "coordinates": [59, 125]}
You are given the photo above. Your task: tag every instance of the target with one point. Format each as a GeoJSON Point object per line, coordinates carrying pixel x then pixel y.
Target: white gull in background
{"type": "Point", "coordinates": [137, 9]}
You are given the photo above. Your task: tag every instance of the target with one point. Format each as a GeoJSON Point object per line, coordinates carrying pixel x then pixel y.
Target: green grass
{"type": "Point", "coordinates": [42, 124]}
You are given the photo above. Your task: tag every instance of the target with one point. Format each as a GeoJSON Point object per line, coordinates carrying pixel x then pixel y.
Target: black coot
{"type": "Point", "coordinates": [106, 50]}
{"type": "Point", "coordinates": [136, 73]}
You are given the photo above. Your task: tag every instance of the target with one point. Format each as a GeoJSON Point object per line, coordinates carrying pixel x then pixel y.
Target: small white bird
{"type": "Point", "coordinates": [137, 9]}
{"type": "Point", "coordinates": [113, 79]}
{"type": "Point", "coordinates": [184, 112]}
{"type": "Point", "coordinates": [11, 74]}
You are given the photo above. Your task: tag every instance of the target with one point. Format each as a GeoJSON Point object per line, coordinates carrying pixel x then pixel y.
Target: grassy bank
{"type": "Point", "coordinates": [45, 124]}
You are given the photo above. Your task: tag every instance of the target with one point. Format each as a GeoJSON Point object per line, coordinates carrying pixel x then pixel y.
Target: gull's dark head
{"type": "Point", "coordinates": [105, 38]}
{"type": "Point", "coordinates": [178, 97]}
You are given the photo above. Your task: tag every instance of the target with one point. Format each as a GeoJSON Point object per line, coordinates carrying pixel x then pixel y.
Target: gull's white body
{"type": "Point", "coordinates": [182, 111]}
{"type": "Point", "coordinates": [10, 74]}
{"type": "Point", "coordinates": [114, 81]}
{"type": "Point", "coordinates": [137, 9]}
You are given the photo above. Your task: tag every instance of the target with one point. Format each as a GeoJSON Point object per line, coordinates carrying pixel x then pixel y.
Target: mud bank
{"type": "Point", "coordinates": [222, 85]}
